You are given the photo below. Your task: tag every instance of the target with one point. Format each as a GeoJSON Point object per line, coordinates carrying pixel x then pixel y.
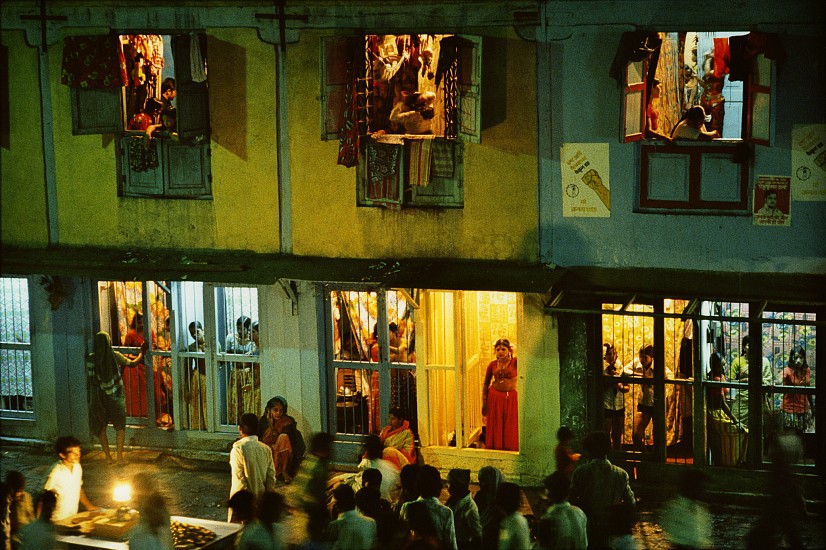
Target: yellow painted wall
{"type": "Point", "coordinates": [499, 218]}
{"type": "Point", "coordinates": [22, 184]}
{"type": "Point", "coordinates": [243, 213]}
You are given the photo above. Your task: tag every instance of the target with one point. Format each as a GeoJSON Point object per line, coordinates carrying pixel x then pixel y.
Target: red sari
{"type": "Point", "coordinates": [502, 431]}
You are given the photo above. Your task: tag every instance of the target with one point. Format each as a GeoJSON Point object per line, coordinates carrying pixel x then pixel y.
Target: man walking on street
{"type": "Point", "coordinates": [599, 485]}
{"type": "Point", "coordinates": [250, 461]}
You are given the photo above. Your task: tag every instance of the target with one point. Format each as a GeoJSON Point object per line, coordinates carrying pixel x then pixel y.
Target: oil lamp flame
{"type": "Point", "coordinates": [123, 492]}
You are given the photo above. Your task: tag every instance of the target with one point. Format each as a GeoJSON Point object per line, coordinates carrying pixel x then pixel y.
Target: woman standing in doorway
{"type": "Point", "coordinates": [499, 399]}
{"type": "Point", "coordinates": [796, 406]}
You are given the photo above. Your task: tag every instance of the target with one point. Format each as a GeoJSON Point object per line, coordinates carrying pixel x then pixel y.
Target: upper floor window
{"type": "Point", "coordinates": [402, 106]}
{"type": "Point", "coordinates": [16, 389]}
{"type": "Point", "coordinates": [697, 87]}
{"type": "Point", "coordinates": [729, 75]}
{"type": "Point", "coordinates": [151, 92]}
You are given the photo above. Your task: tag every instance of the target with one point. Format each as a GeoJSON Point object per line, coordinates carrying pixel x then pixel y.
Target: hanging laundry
{"type": "Point", "coordinates": [93, 62]}
{"type": "Point", "coordinates": [197, 66]}
{"type": "Point", "coordinates": [383, 174]}
{"type": "Point", "coordinates": [420, 149]}
{"type": "Point", "coordinates": [143, 154]}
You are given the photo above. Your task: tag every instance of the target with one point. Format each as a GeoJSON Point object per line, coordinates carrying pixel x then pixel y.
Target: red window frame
{"type": "Point", "coordinates": [695, 154]}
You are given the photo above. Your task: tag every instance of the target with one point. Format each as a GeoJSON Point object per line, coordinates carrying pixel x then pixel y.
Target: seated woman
{"type": "Point", "coordinates": [693, 126]}
{"type": "Point", "coordinates": [398, 440]}
{"type": "Point", "coordinates": [278, 430]}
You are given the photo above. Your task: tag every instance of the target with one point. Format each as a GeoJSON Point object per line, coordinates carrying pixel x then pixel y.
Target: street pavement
{"type": "Point", "coordinates": [199, 488]}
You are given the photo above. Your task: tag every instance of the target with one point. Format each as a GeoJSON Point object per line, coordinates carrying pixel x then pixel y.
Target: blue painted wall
{"type": "Point", "coordinates": [585, 107]}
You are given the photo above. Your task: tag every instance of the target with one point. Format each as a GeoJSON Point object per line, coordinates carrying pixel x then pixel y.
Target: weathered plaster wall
{"type": "Point", "coordinates": [23, 191]}
{"type": "Point", "coordinates": [585, 108]}
{"type": "Point", "coordinates": [498, 220]}
{"type": "Point", "coordinates": [243, 213]}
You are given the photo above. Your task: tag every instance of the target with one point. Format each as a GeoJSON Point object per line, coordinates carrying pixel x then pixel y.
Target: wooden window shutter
{"type": "Point", "coordinates": [96, 111]}
{"type": "Point", "coordinates": [634, 101]}
{"type": "Point", "coordinates": [334, 52]}
{"type": "Point", "coordinates": [446, 188]}
{"type": "Point", "coordinates": [192, 97]}
{"type": "Point", "coordinates": [187, 170]}
{"type": "Point", "coordinates": [136, 180]}
{"type": "Point", "coordinates": [759, 97]}
{"type": "Point", "coordinates": [470, 89]}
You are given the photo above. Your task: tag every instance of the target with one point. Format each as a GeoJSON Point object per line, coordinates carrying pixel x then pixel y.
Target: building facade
{"type": "Point", "coordinates": [335, 180]}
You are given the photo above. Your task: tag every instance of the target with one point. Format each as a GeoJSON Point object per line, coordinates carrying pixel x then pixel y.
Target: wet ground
{"type": "Point", "coordinates": [199, 488]}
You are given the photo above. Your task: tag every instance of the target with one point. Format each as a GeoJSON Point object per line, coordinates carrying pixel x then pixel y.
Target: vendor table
{"type": "Point", "coordinates": [224, 536]}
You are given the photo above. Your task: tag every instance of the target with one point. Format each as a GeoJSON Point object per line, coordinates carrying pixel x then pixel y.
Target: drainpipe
{"type": "Point", "coordinates": [47, 125]}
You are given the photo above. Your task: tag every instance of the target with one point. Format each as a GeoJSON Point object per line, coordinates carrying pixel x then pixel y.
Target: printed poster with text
{"type": "Point", "coordinates": [772, 201]}
{"type": "Point", "coordinates": [809, 162]}
{"type": "Point", "coordinates": [585, 186]}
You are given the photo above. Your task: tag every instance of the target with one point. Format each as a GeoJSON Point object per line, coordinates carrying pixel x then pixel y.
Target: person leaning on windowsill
{"type": "Point", "coordinates": [692, 126]}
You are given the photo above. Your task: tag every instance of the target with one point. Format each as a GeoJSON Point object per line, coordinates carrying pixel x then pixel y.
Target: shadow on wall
{"type": "Point", "coordinates": [228, 117]}
{"type": "Point", "coordinates": [564, 245]}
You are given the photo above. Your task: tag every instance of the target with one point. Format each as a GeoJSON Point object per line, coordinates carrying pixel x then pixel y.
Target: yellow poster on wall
{"type": "Point", "coordinates": [585, 185]}
{"type": "Point", "coordinates": [809, 162]}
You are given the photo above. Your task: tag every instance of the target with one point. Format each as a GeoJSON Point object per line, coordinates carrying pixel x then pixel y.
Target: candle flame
{"type": "Point", "coordinates": [123, 492]}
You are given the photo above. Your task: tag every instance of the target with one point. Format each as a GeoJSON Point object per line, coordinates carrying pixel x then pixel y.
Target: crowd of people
{"type": "Point", "coordinates": [590, 503]}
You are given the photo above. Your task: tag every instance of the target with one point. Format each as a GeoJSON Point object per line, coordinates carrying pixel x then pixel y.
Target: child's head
{"type": "Point", "coordinates": [458, 481]}
{"type": "Point", "coordinates": [509, 498]}
{"type": "Point", "coordinates": [557, 485]}
{"type": "Point", "coordinates": [68, 449]}
{"type": "Point", "coordinates": [48, 502]}
{"type": "Point", "coordinates": [371, 477]}
{"type": "Point", "coordinates": [345, 498]}
{"type": "Point", "coordinates": [564, 434]}
{"type": "Point", "coordinates": [16, 481]}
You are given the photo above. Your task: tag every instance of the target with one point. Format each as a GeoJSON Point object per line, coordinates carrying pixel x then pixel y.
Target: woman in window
{"type": "Point", "coordinates": [693, 126]}
{"type": "Point", "coordinates": [398, 440]}
{"type": "Point", "coordinates": [499, 399]}
{"type": "Point", "coordinates": [795, 407]}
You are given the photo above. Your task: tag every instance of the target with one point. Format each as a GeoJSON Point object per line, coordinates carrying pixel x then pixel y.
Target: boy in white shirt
{"type": "Point", "coordinates": [66, 480]}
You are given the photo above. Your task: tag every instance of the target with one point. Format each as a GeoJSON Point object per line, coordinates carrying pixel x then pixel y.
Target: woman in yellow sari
{"type": "Point", "coordinates": [398, 440]}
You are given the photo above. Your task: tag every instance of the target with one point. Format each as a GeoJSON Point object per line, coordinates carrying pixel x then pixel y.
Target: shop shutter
{"type": "Point", "coordinates": [192, 97]}
{"type": "Point", "coordinates": [334, 52]}
{"type": "Point", "coordinates": [759, 96]}
{"type": "Point", "coordinates": [633, 101]}
{"type": "Point", "coordinates": [140, 183]}
{"type": "Point", "coordinates": [96, 111]}
{"type": "Point", "coordinates": [187, 170]}
{"type": "Point", "coordinates": [470, 88]}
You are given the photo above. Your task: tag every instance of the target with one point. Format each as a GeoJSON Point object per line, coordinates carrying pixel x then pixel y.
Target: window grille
{"type": "Point", "coordinates": [15, 349]}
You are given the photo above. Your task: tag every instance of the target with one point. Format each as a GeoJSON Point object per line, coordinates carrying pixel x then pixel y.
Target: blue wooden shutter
{"type": "Point", "coordinates": [96, 111]}
{"type": "Point", "coordinates": [140, 183]}
{"type": "Point", "coordinates": [470, 89]}
{"type": "Point", "coordinates": [187, 170]}
{"type": "Point", "coordinates": [192, 97]}
{"type": "Point", "coordinates": [446, 186]}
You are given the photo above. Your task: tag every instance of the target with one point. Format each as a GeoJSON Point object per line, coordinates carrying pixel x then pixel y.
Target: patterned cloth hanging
{"type": "Point", "coordinates": [143, 154]}
{"type": "Point", "coordinates": [93, 62]}
{"type": "Point", "coordinates": [383, 173]}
